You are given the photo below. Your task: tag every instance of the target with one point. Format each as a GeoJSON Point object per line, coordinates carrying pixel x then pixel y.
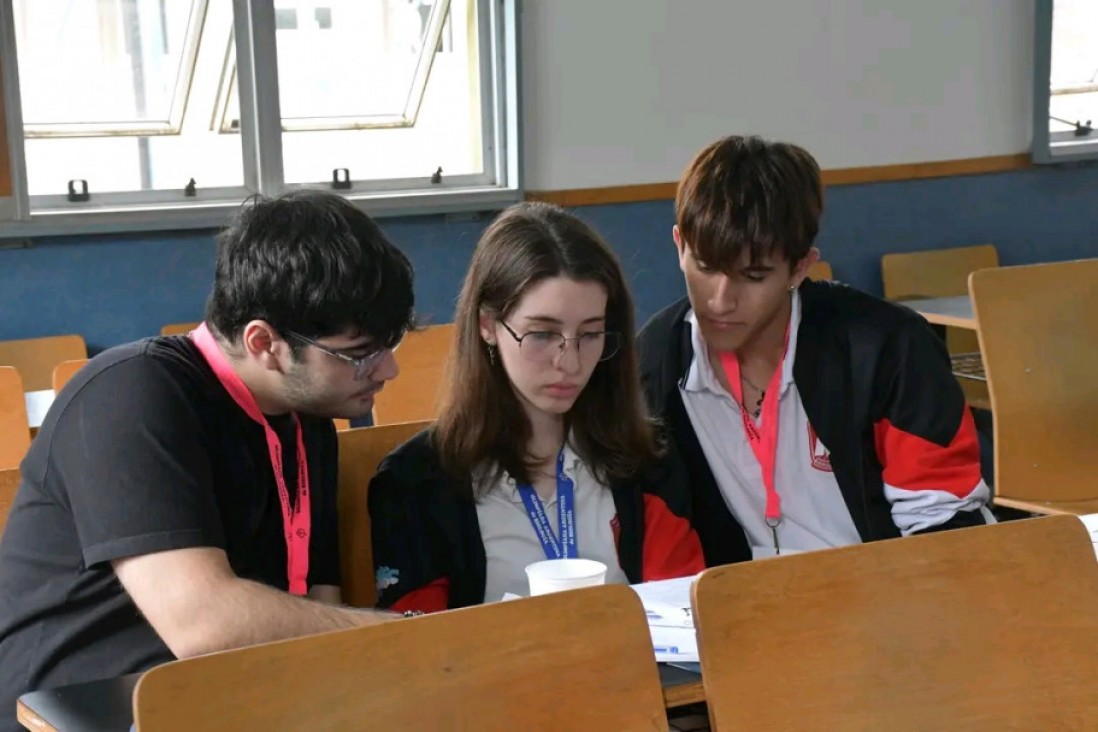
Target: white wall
{"type": "Point", "coordinates": [626, 91]}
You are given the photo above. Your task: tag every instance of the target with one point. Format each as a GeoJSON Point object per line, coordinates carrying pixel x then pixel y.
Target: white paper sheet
{"type": "Point", "coordinates": [674, 644]}
{"type": "Point", "coordinates": [667, 602]}
{"type": "Point", "coordinates": [38, 403]}
{"type": "Point", "coordinates": [1091, 522]}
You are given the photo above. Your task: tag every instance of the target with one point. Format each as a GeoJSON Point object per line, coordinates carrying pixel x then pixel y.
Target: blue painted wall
{"type": "Point", "coordinates": [112, 289]}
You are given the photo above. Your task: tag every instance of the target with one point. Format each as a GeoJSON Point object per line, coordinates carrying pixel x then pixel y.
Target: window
{"type": "Point", "coordinates": [128, 114]}
{"type": "Point", "coordinates": [113, 94]}
{"type": "Point", "coordinates": [1065, 125]}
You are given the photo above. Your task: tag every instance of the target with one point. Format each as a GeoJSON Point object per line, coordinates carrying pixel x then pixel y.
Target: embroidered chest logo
{"type": "Point", "coordinates": [386, 577]}
{"type": "Point", "coordinates": [818, 453]}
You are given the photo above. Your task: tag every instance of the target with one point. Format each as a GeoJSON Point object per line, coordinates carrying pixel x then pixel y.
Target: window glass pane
{"type": "Point", "coordinates": [381, 87]}
{"type": "Point", "coordinates": [1074, 77]}
{"type": "Point", "coordinates": [360, 65]}
{"type": "Point", "coordinates": [120, 93]}
{"type": "Point", "coordinates": [98, 62]}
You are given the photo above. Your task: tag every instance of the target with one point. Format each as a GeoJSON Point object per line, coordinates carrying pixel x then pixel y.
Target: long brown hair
{"type": "Point", "coordinates": [481, 422]}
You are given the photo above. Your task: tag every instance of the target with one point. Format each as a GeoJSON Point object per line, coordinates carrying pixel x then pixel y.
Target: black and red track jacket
{"type": "Point", "coordinates": [877, 386]}
{"type": "Point", "coordinates": [424, 528]}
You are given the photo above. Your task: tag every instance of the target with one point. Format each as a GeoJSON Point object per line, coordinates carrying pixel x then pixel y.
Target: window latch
{"type": "Point", "coordinates": [341, 179]}
{"type": "Point", "coordinates": [190, 190]}
{"type": "Point", "coordinates": [78, 196]}
{"type": "Point", "coordinates": [1078, 128]}
{"type": "Point", "coordinates": [436, 178]}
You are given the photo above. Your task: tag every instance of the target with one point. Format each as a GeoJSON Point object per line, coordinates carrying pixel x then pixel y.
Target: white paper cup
{"type": "Point", "coordinates": [554, 575]}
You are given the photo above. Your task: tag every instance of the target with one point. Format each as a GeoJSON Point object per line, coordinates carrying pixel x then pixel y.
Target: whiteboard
{"type": "Point", "coordinates": [619, 92]}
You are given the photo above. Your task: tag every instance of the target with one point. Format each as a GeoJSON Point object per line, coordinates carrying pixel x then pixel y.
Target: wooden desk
{"type": "Point", "coordinates": [953, 311]}
{"type": "Point", "coordinates": [96, 706]}
{"type": "Point", "coordinates": [680, 687]}
{"type": "Point", "coordinates": [107, 705]}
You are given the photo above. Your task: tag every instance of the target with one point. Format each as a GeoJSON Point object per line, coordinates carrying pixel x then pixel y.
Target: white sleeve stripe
{"type": "Point", "coordinates": [914, 511]}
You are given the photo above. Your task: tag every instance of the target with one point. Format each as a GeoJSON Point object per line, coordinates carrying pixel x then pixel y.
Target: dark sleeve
{"type": "Point", "coordinates": [925, 437]}
{"type": "Point", "coordinates": [130, 456]}
{"type": "Point", "coordinates": [688, 488]}
{"type": "Point", "coordinates": [324, 540]}
{"type": "Point", "coordinates": [409, 569]}
{"type": "Point", "coordinates": [671, 546]}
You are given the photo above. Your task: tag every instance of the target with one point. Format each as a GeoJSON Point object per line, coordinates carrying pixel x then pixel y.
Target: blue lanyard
{"type": "Point", "coordinates": [554, 548]}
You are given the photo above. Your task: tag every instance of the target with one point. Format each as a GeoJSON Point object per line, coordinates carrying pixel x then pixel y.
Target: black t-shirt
{"type": "Point", "coordinates": [143, 451]}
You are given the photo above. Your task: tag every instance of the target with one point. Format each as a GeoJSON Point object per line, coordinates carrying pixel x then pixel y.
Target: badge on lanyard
{"type": "Point", "coordinates": [564, 546]}
{"type": "Point", "coordinates": [763, 437]}
{"type": "Point", "coordinates": [296, 520]}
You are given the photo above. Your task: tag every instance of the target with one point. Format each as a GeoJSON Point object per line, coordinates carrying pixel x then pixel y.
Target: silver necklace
{"type": "Point", "coordinates": [762, 395]}
{"type": "Point", "coordinates": [751, 383]}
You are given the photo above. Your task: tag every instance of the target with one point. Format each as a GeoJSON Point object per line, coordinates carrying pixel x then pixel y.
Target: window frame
{"type": "Point", "coordinates": [1052, 147]}
{"type": "Point", "coordinates": [499, 185]}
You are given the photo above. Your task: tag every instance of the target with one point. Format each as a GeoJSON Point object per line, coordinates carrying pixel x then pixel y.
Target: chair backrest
{"type": "Point", "coordinates": [937, 273]}
{"type": "Point", "coordinates": [992, 627]}
{"type": "Point", "coordinates": [34, 358]}
{"type": "Point", "coordinates": [9, 483]}
{"type": "Point", "coordinates": [178, 328]}
{"type": "Point", "coordinates": [361, 450]}
{"type": "Point", "coordinates": [934, 272]}
{"type": "Point", "coordinates": [14, 427]}
{"type": "Point", "coordinates": [1038, 329]}
{"type": "Point", "coordinates": [413, 395]}
{"type": "Point", "coordinates": [64, 371]}
{"type": "Point", "coordinates": [820, 271]}
{"type": "Point", "coordinates": [579, 660]}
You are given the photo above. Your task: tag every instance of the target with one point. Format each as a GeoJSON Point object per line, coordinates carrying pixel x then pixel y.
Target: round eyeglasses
{"type": "Point", "coordinates": [545, 345]}
{"type": "Point", "coordinates": [362, 366]}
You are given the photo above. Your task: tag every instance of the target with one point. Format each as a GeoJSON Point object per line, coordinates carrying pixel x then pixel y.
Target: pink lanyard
{"type": "Point", "coordinates": [296, 521]}
{"type": "Point", "coordinates": [762, 438]}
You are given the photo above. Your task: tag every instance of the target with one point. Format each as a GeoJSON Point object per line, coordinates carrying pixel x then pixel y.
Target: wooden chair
{"type": "Point", "coordinates": [15, 434]}
{"type": "Point", "coordinates": [9, 484]}
{"type": "Point", "coordinates": [934, 272]}
{"type": "Point", "coordinates": [178, 328]}
{"type": "Point", "coordinates": [579, 660]}
{"type": "Point", "coordinates": [413, 395]}
{"type": "Point", "coordinates": [942, 273]}
{"type": "Point", "coordinates": [361, 450]}
{"type": "Point", "coordinates": [35, 358]}
{"type": "Point", "coordinates": [988, 628]}
{"type": "Point", "coordinates": [1039, 337]}
{"type": "Point", "coordinates": [820, 272]}
{"type": "Point", "coordinates": [64, 371]}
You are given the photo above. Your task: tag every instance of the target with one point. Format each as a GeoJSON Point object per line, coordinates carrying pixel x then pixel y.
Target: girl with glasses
{"type": "Point", "coordinates": [542, 427]}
